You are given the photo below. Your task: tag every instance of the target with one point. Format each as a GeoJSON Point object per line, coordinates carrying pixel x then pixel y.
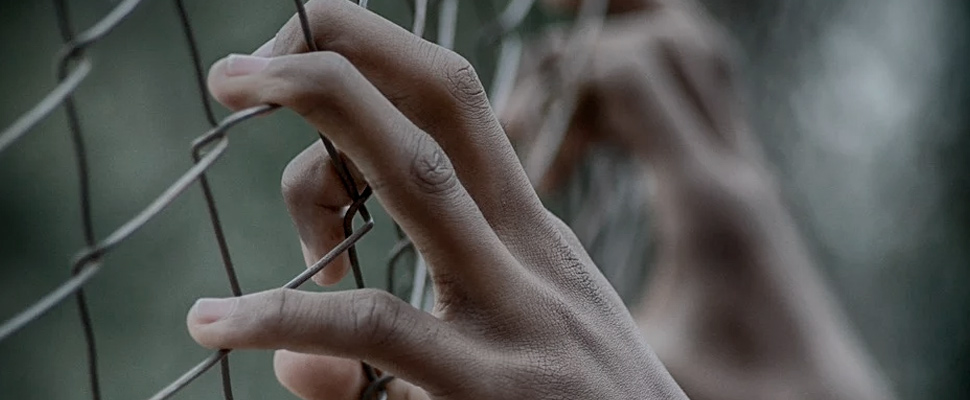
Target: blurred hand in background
{"type": "Point", "coordinates": [656, 77]}
{"type": "Point", "coordinates": [734, 306]}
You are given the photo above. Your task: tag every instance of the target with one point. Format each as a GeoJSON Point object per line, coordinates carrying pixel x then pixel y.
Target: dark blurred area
{"type": "Point", "coordinates": [861, 105]}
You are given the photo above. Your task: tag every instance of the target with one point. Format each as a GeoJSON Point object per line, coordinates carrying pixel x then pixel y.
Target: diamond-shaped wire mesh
{"type": "Point", "coordinates": [73, 67]}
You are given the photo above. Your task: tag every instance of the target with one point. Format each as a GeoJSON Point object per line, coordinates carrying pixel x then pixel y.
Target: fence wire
{"type": "Point", "coordinates": [73, 67]}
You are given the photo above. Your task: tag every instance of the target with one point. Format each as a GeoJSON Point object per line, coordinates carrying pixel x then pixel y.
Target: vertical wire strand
{"type": "Point", "coordinates": [196, 61]}
{"type": "Point", "coordinates": [224, 367]}
{"type": "Point", "coordinates": [504, 29]}
{"type": "Point", "coordinates": [349, 185]}
{"type": "Point", "coordinates": [447, 23]}
{"type": "Point", "coordinates": [506, 70]}
{"type": "Point", "coordinates": [89, 262]}
{"type": "Point", "coordinates": [84, 181]}
{"type": "Point", "coordinates": [420, 17]}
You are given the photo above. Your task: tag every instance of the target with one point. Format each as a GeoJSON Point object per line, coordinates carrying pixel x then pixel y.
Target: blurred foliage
{"type": "Point", "coordinates": [140, 110]}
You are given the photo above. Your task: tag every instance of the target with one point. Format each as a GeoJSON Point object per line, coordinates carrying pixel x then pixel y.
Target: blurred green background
{"type": "Point", "coordinates": [862, 105]}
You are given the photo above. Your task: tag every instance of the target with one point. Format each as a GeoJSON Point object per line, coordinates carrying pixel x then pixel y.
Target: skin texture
{"type": "Point", "coordinates": [521, 311]}
{"type": "Point", "coordinates": [734, 308]}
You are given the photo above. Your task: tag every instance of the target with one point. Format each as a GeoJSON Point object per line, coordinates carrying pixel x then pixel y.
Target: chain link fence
{"type": "Point", "coordinates": [605, 211]}
{"type": "Point", "coordinates": [73, 66]}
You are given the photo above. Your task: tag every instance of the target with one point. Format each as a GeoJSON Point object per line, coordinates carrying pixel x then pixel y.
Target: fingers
{"type": "Point", "coordinates": [317, 202]}
{"type": "Point", "coordinates": [436, 89]}
{"type": "Point", "coordinates": [409, 172]}
{"type": "Point", "coordinates": [697, 54]}
{"type": "Point", "coordinates": [399, 63]}
{"type": "Point", "coordinates": [368, 325]}
{"type": "Point", "coordinates": [316, 377]}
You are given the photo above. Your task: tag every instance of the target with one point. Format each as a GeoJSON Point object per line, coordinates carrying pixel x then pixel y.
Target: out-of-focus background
{"type": "Point", "coordinates": [862, 105]}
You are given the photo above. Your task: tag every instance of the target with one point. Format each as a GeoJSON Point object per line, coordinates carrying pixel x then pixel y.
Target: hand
{"type": "Point", "coordinates": [521, 311]}
{"type": "Point", "coordinates": [655, 81]}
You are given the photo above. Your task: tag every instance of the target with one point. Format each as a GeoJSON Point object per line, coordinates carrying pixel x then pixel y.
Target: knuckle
{"type": "Point", "coordinates": [273, 317]}
{"type": "Point", "coordinates": [431, 170]}
{"type": "Point", "coordinates": [376, 316]}
{"type": "Point", "coordinates": [334, 64]}
{"type": "Point", "coordinates": [462, 83]}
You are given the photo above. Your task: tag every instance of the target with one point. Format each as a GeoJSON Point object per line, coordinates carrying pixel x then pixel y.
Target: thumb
{"type": "Point", "coordinates": [367, 324]}
{"type": "Point", "coordinates": [315, 377]}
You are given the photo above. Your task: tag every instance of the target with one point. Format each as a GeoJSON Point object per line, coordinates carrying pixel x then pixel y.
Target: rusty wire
{"type": "Point", "coordinates": [73, 68]}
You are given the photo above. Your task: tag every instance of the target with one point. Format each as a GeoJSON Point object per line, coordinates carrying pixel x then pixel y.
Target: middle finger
{"type": "Point", "coordinates": [436, 89]}
{"type": "Point", "coordinates": [410, 174]}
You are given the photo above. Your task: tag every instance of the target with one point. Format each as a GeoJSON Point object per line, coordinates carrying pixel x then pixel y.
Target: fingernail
{"type": "Point", "coordinates": [240, 64]}
{"type": "Point", "coordinates": [207, 311]}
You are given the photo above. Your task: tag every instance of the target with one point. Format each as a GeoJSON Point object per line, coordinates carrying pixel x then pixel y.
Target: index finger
{"type": "Point", "coordinates": [433, 87]}
{"type": "Point", "coordinates": [410, 175]}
